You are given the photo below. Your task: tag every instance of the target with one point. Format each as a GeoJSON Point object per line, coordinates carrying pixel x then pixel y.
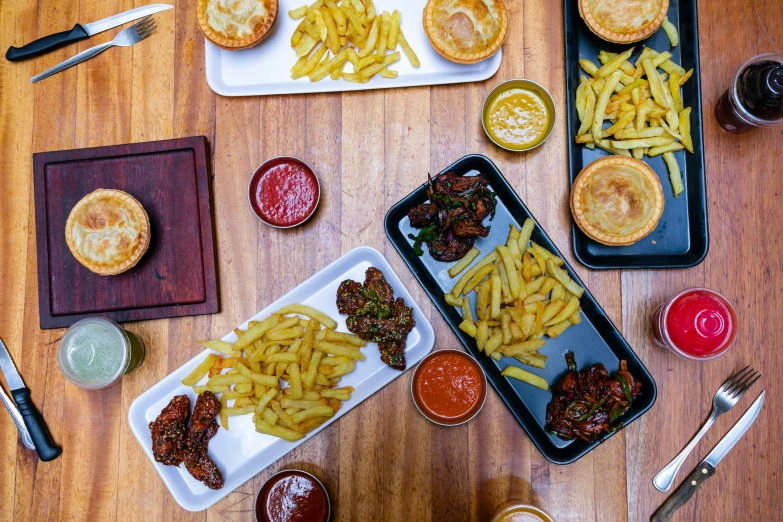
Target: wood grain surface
{"type": "Point", "coordinates": [382, 461]}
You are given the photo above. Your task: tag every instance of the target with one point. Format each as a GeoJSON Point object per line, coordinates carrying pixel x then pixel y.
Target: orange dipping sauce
{"type": "Point", "coordinates": [449, 387]}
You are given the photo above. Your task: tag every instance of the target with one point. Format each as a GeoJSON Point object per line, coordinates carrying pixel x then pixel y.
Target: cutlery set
{"type": "Point", "coordinates": [125, 38]}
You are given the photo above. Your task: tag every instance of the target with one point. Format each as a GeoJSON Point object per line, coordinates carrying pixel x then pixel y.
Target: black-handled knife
{"type": "Point", "coordinates": [32, 419]}
{"type": "Point", "coordinates": [79, 32]}
{"type": "Point", "coordinates": [707, 468]}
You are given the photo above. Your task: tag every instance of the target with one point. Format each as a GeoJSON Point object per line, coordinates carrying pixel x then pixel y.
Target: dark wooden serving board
{"type": "Point", "coordinates": [176, 276]}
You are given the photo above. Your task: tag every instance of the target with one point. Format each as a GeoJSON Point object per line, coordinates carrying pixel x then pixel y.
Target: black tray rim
{"type": "Point", "coordinates": [699, 200]}
{"type": "Point", "coordinates": [522, 414]}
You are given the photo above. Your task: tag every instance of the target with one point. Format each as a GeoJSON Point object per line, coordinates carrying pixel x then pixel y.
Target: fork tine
{"type": "Point", "coordinates": [145, 19]}
{"type": "Point", "coordinates": [141, 27]}
{"type": "Point", "coordinates": [743, 384]}
{"type": "Point", "coordinates": [146, 34]}
{"type": "Point", "coordinates": [746, 388]}
{"type": "Point", "coordinates": [731, 380]}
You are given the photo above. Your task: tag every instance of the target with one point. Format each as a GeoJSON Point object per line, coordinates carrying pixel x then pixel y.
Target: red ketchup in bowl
{"type": "Point", "coordinates": [696, 324]}
{"type": "Point", "coordinates": [292, 496]}
{"type": "Point", "coordinates": [284, 192]}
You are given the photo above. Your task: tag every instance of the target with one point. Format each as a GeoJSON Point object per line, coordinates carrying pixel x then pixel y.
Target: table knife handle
{"type": "Point", "coordinates": [35, 425]}
{"type": "Point", "coordinates": [683, 493]}
{"type": "Point", "coordinates": [46, 44]}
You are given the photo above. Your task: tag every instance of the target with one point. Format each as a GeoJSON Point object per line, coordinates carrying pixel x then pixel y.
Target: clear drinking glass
{"type": "Point", "coordinates": [755, 97]}
{"type": "Point", "coordinates": [95, 353]}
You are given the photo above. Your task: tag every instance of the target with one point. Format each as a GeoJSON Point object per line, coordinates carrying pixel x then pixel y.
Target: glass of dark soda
{"type": "Point", "coordinates": [755, 97]}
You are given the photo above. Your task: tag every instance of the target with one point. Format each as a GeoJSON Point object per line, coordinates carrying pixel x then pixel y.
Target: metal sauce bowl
{"type": "Point", "coordinates": [271, 479]}
{"type": "Point", "coordinates": [530, 86]}
{"type": "Point", "coordinates": [467, 416]}
{"type": "Point", "coordinates": [263, 168]}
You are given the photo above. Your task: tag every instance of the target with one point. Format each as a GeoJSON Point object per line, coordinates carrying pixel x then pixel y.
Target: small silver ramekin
{"type": "Point", "coordinates": [468, 416]}
{"type": "Point", "coordinates": [261, 168]}
{"type": "Point", "coordinates": [522, 84]}
{"type": "Point", "coordinates": [328, 500]}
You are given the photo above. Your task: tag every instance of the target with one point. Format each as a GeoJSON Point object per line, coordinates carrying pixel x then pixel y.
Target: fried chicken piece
{"type": "Point", "coordinates": [169, 431]}
{"type": "Point", "coordinates": [203, 427]}
{"type": "Point", "coordinates": [442, 250]}
{"type": "Point", "coordinates": [422, 215]}
{"type": "Point", "coordinates": [374, 281]}
{"type": "Point", "coordinates": [374, 315]}
{"type": "Point", "coordinates": [469, 228]}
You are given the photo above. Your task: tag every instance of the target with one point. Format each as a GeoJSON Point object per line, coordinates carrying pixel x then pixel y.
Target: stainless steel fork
{"type": "Point", "coordinates": [725, 398]}
{"type": "Point", "coordinates": [125, 38]}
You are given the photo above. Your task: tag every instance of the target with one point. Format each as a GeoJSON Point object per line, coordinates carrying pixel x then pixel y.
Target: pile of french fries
{"type": "Point", "coordinates": [283, 347]}
{"type": "Point", "coordinates": [522, 295]}
{"type": "Point", "coordinates": [333, 32]}
{"type": "Point", "coordinates": [644, 107]}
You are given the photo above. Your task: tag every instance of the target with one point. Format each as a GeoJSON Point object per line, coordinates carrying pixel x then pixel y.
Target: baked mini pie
{"type": "Point", "coordinates": [236, 24]}
{"type": "Point", "coordinates": [108, 231]}
{"type": "Point", "coordinates": [617, 200]}
{"type": "Point", "coordinates": [466, 31]}
{"type": "Point", "coordinates": [623, 21]}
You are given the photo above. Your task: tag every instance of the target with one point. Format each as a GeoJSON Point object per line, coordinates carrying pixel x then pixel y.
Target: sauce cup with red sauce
{"type": "Point", "coordinates": [292, 495]}
{"type": "Point", "coordinates": [284, 192]}
{"type": "Point", "coordinates": [449, 387]}
{"type": "Point", "coordinates": [698, 324]}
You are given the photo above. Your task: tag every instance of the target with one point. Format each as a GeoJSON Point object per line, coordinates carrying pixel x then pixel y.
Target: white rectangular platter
{"type": "Point", "coordinates": [266, 68]}
{"type": "Point", "coordinates": [241, 452]}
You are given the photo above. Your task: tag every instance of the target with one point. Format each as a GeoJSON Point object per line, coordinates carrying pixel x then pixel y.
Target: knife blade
{"type": "Point", "coordinates": [707, 467]}
{"type": "Point", "coordinates": [80, 32]}
{"type": "Point", "coordinates": [30, 416]}
{"type": "Point", "coordinates": [17, 418]}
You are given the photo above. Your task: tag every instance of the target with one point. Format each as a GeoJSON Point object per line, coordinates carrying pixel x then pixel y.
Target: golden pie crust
{"type": "Point", "coordinates": [236, 24]}
{"type": "Point", "coordinates": [108, 231]}
{"type": "Point", "coordinates": [617, 200]}
{"type": "Point", "coordinates": [623, 21]}
{"type": "Point", "coordinates": [466, 31]}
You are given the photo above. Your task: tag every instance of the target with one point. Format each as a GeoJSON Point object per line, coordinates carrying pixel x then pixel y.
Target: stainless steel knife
{"type": "Point", "coordinates": [707, 468]}
{"type": "Point", "coordinates": [17, 418]}
{"type": "Point", "coordinates": [30, 416]}
{"type": "Point", "coordinates": [79, 32]}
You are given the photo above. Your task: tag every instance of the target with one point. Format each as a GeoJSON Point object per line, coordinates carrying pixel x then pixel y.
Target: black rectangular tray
{"type": "Point", "coordinates": [681, 239]}
{"type": "Point", "coordinates": [594, 340]}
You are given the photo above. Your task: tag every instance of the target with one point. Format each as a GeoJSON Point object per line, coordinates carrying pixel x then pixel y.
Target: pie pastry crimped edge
{"type": "Point", "coordinates": [579, 213]}
{"type": "Point", "coordinates": [233, 44]}
{"type": "Point", "coordinates": [461, 57]}
{"type": "Point", "coordinates": [610, 35]}
{"type": "Point", "coordinates": [144, 231]}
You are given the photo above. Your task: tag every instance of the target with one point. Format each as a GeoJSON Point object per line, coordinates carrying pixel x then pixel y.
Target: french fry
{"type": "Point", "coordinates": [495, 293]}
{"type": "Point", "coordinates": [671, 31]}
{"type": "Point", "coordinates": [656, 86]}
{"type": "Point", "coordinates": [213, 389]}
{"type": "Point", "coordinates": [341, 351]}
{"type": "Point", "coordinates": [493, 343]}
{"type": "Point", "coordinates": [674, 173]}
{"type": "Point", "coordinates": [525, 376]}
{"type": "Point", "coordinates": [310, 376]}
{"type": "Point", "coordinates": [614, 64]}
{"type": "Point", "coordinates": [603, 100]}
{"type": "Point", "coordinates": [568, 311]}
{"type": "Point", "coordinates": [527, 347]}
{"type": "Point", "coordinates": [558, 329]}
{"type": "Point", "coordinates": [408, 50]}
{"type": "Point", "coordinates": [295, 380]}
{"type": "Point", "coordinates": [200, 370]}
{"type": "Point", "coordinates": [685, 129]}
{"type": "Point", "coordinates": [467, 276]}
{"type": "Point", "coordinates": [298, 13]}
{"type": "Point", "coordinates": [463, 263]}
{"type": "Point", "coordinates": [342, 394]}
{"type": "Point", "coordinates": [478, 278]}
{"type": "Point", "coordinates": [255, 332]}
{"type": "Point", "coordinates": [483, 300]}
{"type": "Point", "coordinates": [221, 346]}
{"type": "Point", "coordinates": [265, 380]}
{"type": "Point", "coordinates": [310, 312]}
{"type": "Point", "coordinates": [469, 327]}
{"type": "Point", "coordinates": [513, 279]}
{"type": "Point", "coordinates": [309, 413]}
{"type": "Point", "coordinates": [564, 279]}
{"type": "Point", "coordinates": [277, 431]}
{"type": "Point", "coordinates": [222, 415]}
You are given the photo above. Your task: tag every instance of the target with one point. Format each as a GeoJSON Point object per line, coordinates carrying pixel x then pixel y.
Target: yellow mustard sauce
{"type": "Point", "coordinates": [517, 119]}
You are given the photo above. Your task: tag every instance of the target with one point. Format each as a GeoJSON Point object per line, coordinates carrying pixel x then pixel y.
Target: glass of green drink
{"type": "Point", "coordinates": [95, 353]}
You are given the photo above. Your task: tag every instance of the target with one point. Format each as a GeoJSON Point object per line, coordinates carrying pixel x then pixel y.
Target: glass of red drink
{"type": "Point", "coordinates": [697, 323]}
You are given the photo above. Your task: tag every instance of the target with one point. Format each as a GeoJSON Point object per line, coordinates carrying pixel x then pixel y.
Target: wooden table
{"type": "Point", "coordinates": [383, 461]}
